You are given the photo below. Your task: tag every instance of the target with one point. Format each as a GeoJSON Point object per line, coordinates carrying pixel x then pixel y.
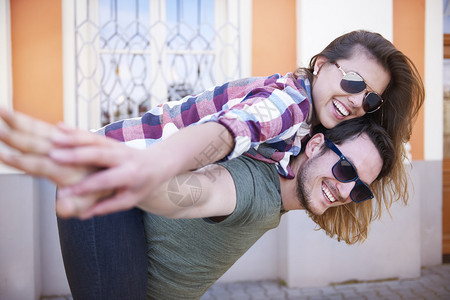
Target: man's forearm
{"type": "Point", "coordinates": [196, 146]}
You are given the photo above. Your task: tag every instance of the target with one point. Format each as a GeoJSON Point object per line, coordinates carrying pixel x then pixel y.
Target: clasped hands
{"type": "Point", "coordinates": [95, 175]}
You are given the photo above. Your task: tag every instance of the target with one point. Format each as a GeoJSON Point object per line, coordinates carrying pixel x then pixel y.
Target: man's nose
{"type": "Point", "coordinates": [345, 188]}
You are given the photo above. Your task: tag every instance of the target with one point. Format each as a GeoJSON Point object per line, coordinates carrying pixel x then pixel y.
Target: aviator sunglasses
{"type": "Point", "coordinates": [344, 171]}
{"type": "Point", "coordinates": [353, 83]}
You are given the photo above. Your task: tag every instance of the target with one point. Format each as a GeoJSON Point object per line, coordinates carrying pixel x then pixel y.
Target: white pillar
{"type": "Point", "coordinates": [19, 235]}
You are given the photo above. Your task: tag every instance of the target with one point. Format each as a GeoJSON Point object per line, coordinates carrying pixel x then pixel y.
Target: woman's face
{"type": "Point", "coordinates": [331, 104]}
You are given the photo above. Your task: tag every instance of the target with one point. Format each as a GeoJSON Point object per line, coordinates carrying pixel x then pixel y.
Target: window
{"type": "Point", "coordinates": [130, 56]}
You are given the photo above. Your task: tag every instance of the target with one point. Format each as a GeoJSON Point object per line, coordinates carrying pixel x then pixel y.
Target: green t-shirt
{"type": "Point", "coordinates": [186, 256]}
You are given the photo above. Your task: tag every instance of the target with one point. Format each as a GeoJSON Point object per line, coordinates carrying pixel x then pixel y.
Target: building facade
{"type": "Point", "coordinates": [39, 76]}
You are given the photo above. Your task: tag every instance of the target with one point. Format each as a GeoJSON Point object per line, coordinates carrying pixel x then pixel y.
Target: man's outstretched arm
{"type": "Point", "coordinates": [207, 192]}
{"type": "Point", "coordinates": [102, 159]}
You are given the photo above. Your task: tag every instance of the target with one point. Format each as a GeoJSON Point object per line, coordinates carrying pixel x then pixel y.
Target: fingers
{"type": "Point", "coordinates": [26, 124]}
{"type": "Point", "coordinates": [26, 134]}
{"type": "Point", "coordinates": [30, 135]}
{"type": "Point", "coordinates": [118, 202]}
{"type": "Point", "coordinates": [78, 206]}
{"type": "Point", "coordinates": [38, 165]}
{"type": "Point", "coordinates": [24, 142]}
{"type": "Point", "coordinates": [72, 137]}
{"type": "Point", "coordinates": [108, 179]}
{"type": "Point", "coordinates": [97, 204]}
{"type": "Point", "coordinates": [100, 156]}
{"type": "Point", "coordinates": [73, 206]}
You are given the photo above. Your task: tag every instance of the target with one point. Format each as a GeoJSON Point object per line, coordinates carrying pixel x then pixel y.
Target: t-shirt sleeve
{"type": "Point", "coordinates": [257, 191]}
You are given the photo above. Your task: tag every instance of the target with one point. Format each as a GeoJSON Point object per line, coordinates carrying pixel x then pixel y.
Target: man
{"type": "Point", "coordinates": [250, 197]}
{"type": "Point", "coordinates": [211, 216]}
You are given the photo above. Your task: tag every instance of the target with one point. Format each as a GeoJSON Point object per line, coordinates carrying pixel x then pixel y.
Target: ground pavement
{"type": "Point", "coordinates": [434, 283]}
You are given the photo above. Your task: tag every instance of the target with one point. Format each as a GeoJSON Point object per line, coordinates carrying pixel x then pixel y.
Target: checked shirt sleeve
{"type": "Point", "coordinates": [263, 114]}
{"type": "Point", "coordinates": [271, 114]}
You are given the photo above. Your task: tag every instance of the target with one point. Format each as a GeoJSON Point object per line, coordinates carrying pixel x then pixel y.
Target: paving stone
{"type": "Point", "coordinates": [348, 291]}
{"type": "Point", "coordinates": [294, 294]}
{"type": "Point", "coordinates": [312, 291]}
{"type": "Point", "coordinates": [384, 291]}
{"type": "Point", "coordinates": [371, 295]}
{"type": "Point", "coordinates": [405, 293]}
{"type": "Point", "coordinates": [353, 298]}
{"type": "Point", "coordinates": [347, 294]}
{"type": "Point", "coordinates": [335, 297]}
{"type": "Point", "coordinates": [258, 295]}
{"type": "Point", "coordinates": [315, 298]}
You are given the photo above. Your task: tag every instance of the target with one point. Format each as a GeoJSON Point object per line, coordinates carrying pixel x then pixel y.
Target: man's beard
{"type": "Point", "coordinates": [303, 191]}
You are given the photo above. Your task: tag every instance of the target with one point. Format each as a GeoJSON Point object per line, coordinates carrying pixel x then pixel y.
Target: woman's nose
{"type": "Point", "coordinates": [356, 100]}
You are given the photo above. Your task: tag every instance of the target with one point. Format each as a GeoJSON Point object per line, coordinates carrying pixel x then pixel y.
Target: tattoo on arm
{"type": "Point", "coordinates": [185, 190]}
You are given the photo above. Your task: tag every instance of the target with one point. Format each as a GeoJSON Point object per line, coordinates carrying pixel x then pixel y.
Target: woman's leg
{"type": "Point", "coordinates": [105, 257]}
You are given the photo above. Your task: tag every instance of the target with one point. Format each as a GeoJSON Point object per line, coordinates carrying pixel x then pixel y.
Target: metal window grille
{"type": "Point", "coordinates": [133, 55]}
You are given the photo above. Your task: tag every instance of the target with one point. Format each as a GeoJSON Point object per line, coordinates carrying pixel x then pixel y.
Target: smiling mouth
{"type": "Point", "coordinates": [340, 108]}
{"type": "Point", "coordinates": [327, 193]}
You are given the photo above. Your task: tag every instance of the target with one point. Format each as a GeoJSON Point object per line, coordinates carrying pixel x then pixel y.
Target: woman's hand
{"type": "Point", "coordinates": [32, 140]}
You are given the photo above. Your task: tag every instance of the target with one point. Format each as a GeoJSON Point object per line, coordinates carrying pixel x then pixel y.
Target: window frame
{"type": "Point", "coordinates": [5, 55]}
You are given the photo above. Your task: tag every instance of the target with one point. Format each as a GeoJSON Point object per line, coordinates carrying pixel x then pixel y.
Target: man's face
{"type": "Point", "coordinates": [318, 189]}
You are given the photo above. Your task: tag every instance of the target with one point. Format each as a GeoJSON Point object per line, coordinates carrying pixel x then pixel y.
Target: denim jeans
{"type": "Point", "coordinates": [105, 257]}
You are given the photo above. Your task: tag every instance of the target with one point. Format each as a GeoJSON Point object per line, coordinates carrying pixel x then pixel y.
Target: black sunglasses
{"type": "Point", "coordinates": [344, 171]}
{"type": "Point", "coordinates": [353, 83]}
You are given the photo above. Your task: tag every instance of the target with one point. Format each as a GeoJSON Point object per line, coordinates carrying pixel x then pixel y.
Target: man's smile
{"type": "Point", "coordinates": [326, 191]}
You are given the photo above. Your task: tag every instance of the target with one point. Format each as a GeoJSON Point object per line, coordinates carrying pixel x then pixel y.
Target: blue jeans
{"type": "Point", "coordinates": [105, 257]}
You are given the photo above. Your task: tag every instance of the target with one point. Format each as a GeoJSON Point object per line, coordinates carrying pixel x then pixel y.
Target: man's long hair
{"type": "Point", "coordinates": [350, 222]}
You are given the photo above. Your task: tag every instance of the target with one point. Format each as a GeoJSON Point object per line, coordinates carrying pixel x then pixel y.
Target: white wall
{"type": "Point", "coordinates": [30, 256]}
{"type": "Point", "coordinates": [20, 263]}
{"type": "Point", "coordinates": [321, 21]}
{"type": "Point", "coordinates": [433, 140]}
{"type": "Point", "coordinates": [429, 188]}
{"type": "Point", "coordinates": [53, 280]}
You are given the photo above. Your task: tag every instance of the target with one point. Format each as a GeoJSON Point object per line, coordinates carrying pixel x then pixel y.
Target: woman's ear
{"type": "Point", "coordinates": [320, 61]}
{"type": "Point", "coordinates": [314, 144]}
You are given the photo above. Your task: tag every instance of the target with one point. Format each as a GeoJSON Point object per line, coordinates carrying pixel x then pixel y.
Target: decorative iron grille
{"type": "Point", "coordinates": [131, 56]}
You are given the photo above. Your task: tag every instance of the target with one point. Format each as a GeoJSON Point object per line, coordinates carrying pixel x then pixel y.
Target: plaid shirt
{"type": "Point", "coordinates": [265, 115]}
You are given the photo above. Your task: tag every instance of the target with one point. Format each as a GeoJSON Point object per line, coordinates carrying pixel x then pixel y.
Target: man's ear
{"type": "Point", "coordinates": [320, 61]}
{"type": "Point", "coordinates": [314, 145]}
